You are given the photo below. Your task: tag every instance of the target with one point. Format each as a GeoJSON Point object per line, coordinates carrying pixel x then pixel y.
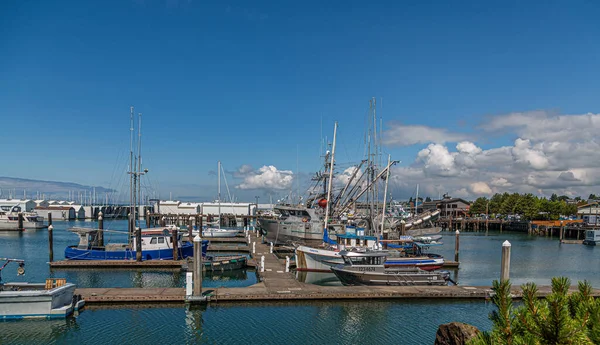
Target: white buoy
{"type": "Point", "coordinates": [287, 263]}
{"type": "Point", "coordinates": [262, 263]}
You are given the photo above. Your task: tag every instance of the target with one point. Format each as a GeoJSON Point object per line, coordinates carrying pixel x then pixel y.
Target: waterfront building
{"type": "Point", "coordinates": [25, 204]}
{"type": "Point", "coordinates": [449, 207]}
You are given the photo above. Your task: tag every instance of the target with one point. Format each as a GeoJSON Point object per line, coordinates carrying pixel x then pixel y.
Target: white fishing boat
{"type": "Point", "coordinates": [54, 299]}
{"type": "Point", "coordinates": [370, 269]}
{"type": "Point", "coordinates": [9, 219]}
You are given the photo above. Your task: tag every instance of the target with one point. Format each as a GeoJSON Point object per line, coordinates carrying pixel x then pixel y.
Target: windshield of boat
{"type": "Point", "coordinates": [363, 260]}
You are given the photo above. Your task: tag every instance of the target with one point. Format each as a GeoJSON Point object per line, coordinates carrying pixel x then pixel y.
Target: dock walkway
{"type": "Point", "coordinates": [277, 285]}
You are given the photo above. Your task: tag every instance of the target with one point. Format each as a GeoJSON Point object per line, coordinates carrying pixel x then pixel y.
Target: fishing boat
{"type": "Point", "coordinates": [54, 299]}
{"type": "Point", "coordinates": [369, 268]}
{"type": "Point", "coordinates": [157, 244]}
{"type": "Point", "coordinates": [409, 251]}
{"type": "Point", "coordinates": [143, 244]}
{"type": "Point", "coordinates": [9, 219]}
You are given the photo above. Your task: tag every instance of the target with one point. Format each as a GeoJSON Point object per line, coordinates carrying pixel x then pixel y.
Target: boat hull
{"type": "Point", "coordinates": [377, 275]}
{"type": "Point", "coordinates": [280, 232]}
{"type": "Point", "coordinates": [186, 250]}
{"type": "Point", "coordinates": [219, 233]}
{"type": "Point", "coordinates": [38, 303]}
{"type": "Point", "coordinates": [10, 225]}
{"type": "Point", "coordinates": [316, 260]}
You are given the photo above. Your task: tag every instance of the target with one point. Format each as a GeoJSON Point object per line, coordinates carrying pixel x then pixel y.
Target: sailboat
{"type": "Point", "coordinates": [214, 232]}
{"type": "Point", "coordinates": [147, 244]}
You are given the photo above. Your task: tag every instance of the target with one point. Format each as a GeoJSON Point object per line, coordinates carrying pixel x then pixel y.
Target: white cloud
{"type": "Point", "coordinates": [480, 188]}
{"type": "Point", "coordinates": [268, 178]}
{"type": "Point", "coordinates": [550, 154]}
{"type": "Point", "coordinates": [406, 135]}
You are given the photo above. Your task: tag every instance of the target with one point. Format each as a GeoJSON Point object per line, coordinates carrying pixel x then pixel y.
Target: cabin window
{"type": "Point", "coordinates": [161, 240]}
{"type": "Point", "coordinates": [153, 240]}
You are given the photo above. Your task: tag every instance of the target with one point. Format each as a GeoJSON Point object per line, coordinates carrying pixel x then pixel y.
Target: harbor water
{"type": "Point", "coordinates": [536, 259]}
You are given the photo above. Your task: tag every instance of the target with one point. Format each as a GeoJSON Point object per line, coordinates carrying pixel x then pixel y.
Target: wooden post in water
{"type": "Point", "coordinates": [50, 244]}
{"type": "Point", "coordinates": [100, 229]}
{"type": "Point", "coordinates": [197, 266]}
{"type": "Point", "coordinates": [562, 231]}
{"type": "Point", "coordinates": [456, 245]}
{"type": "Point", "coordinates": [505, 268]}
{"type": "Point", "coordinates": [175, 244]}
{"type": "Point", "coordinates": [148, 220]}
{"type": "Point", "coordinates": [20, 221]}
{"type": "Point", "coordinates": [49, 218]}
{"type": "Point", "coordinates": [190, 229]}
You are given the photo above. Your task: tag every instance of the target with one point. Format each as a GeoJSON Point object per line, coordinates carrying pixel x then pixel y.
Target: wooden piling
{"type": "Point", "coordinates": [175, 244]}
{"type": "Point", "coordinates": [190, 228]}
{"type": "Point", "coordinates": [20, 221]}
{"type": "Point", "coordinates": [197, 292]}
{"type": "Point", "coordinates": [456, 246]}
{"type": "Point", "coordinates": [101, 229]}
{"type": "Point", "coordinates": [49, 218]}
{"type": "Point", "coordinates": [50, 244]}
{"type": "Point", "coordinates": [505, 268]}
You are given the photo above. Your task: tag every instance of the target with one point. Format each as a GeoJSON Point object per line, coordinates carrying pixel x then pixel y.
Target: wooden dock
{"type": "Point", "coordinates": [277, 285]}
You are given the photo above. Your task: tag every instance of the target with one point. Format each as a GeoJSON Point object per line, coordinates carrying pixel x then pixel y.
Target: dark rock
{"type": "Point", "coordinates": [455, 333]}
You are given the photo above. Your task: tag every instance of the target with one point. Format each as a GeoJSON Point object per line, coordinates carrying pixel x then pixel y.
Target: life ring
{"type": "Point", "coordinates": [304, 220]}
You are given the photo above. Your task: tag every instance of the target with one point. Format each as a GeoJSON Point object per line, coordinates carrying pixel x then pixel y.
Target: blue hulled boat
{"type": "Point", "coordinates": [157, 244]}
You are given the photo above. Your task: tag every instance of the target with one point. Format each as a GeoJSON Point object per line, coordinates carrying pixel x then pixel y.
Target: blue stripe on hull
{"type": "Point", "coordinates": [186, 250]}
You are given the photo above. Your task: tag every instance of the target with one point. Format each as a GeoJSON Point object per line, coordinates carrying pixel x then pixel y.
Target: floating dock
{"type": "Point", "coordinates": [278, 285]}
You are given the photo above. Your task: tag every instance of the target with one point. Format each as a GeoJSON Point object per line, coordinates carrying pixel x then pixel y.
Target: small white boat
{"type": "Point", "coordinates": [216, 232]}
{"type": "Point", "coordinates": [592, 238]}
{"type": "Point", "coordinates": [54, 299]}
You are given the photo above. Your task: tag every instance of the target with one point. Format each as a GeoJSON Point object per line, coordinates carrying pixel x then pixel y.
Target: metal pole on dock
{"type": "Point", "coordinates": [271, 249]}
{"type": "Point", "coordinates": [262, 263]}
{"type": "Point", "coordinates": [190, 229]}
{"type": "Point", "coordinates": [101, 229]}
{"type": "Point", "coordinates": [505, 269]}
{"type": "Point", "coordinates": [253, 247]}
{"type": "Point", "coordinates": [456, 245]}
{"type": "Point", "coordinates": [175, 244]}
{"type": "Point", "coordinates": [49, 218]}
{"type": "Point", "coordinates": [50, 244]}
{"type": "Point", "coordinates": [287, 263]}
{"type": "Point", "coordinates": [197, 266]}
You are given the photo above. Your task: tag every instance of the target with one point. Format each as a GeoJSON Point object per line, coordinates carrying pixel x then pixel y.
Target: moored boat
{"type": "Point", "coordinates": [369, 269]}
{"type": "Point", "coordinates": [9, 219]}
{"type": "Point", "coordinates": [592, 238]}
{"type": "Point", "coordinates": [157, 244]}
{"type": "Point", "coordinates": [54, 299]}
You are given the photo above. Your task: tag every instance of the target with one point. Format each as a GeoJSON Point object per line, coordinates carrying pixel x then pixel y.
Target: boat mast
{"type": "Point", "coordinates": [387, 177]}
{"type": "Point", "coordinates": [131, 227]}
{"type": "Point", "coordinates": [330, 182]}
{"type": "Point", "coordinates": [139, 169]}
{"type": "Point", "coordinates": [219, 192]}
{"type": "Point", "coordinates": [417, 201]}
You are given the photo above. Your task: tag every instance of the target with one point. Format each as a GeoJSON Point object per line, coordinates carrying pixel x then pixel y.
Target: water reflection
{"type": "Point", "coordinates": [36, 331]}
{"type": "Point", "coordinates": [318, 278]}
{"type": "Point", "coordinates": [194, 322]}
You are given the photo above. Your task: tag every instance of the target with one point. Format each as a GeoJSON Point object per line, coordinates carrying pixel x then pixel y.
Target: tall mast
{"type": "Point", "coordinates": [219, 192]}
{"type": "Point", "coordinates": [417, 201]}
{"type": "Point", "coordinates": [139, 167]}
{"type": "Point", "coordinates": [131, 167]}
{"type": "Point", "coordinates": [330, 182]}
{"type": "Point", "coordinates": [387, 177]}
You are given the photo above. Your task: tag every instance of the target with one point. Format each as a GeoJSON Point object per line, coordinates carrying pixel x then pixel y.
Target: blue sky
{"type": "Point", "coordinates": [257, 83]}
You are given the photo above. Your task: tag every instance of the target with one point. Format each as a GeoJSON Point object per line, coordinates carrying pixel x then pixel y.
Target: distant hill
{"type": "Point", "coordinates": [52, 189]}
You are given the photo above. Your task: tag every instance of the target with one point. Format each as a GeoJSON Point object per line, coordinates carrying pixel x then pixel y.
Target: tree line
{"type": "Point", "coordinates": [528, 206]}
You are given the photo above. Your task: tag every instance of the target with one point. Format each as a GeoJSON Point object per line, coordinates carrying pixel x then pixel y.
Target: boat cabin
{"type": "Point", "coordinates": [368, 258]}
{"type": "Point", "coordinates": [153, 239]}
{"type": "Point", "coordinates": [592, 237]}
